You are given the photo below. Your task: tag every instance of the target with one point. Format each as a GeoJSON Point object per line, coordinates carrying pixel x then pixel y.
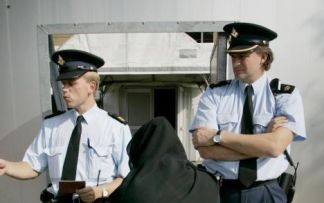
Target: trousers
{"type": "Point", "coordinates": [269, 192]}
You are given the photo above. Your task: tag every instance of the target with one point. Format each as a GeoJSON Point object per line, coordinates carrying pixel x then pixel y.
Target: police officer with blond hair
{"type": "Point", "coordinates": [242, 126]}
{"type": "Point", "coordinates": [83, 144]}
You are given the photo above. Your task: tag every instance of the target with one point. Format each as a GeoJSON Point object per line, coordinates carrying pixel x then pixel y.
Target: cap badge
{"type": "Point", "coordinates": [234, 33]}
{"type": "Point", "coordinates": [60, 60]}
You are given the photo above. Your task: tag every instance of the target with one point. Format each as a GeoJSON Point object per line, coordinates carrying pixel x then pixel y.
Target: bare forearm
{"type": "Point", "coordinates": [258, 145]}
{"type": "Point", "coordinates": [110, 187]}
{"type": "Point", "coordinates": [218, 152]}
{"type": "Point", "coordinates": [90, 194]}
{"type": "Point", "coordinates": [270, 144]}
{"type": "Point", "coordinates": [20, 170]}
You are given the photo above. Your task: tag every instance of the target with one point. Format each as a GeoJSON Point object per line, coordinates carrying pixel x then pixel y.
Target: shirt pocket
{"type": "Point", "coordinates": [227, 121]}
{"type": "Point", "coordinates": [261, 122]}
{"type": "Point", "coordinates": [100, 158]}
{"type": "Point", "coordinates": [55, 160]}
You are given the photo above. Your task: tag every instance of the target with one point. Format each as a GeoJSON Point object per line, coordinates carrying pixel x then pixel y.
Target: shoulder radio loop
{"type": "Point", "coordinates": [278, 88]}
{"type": "Point", "coordinates": [220, 83]}
{"type": "Point", "coordinates": [118, 118]}
{"type": "Point", "coordinates": [54, 114]}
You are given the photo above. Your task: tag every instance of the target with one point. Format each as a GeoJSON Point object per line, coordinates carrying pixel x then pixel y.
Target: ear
{"type": "Point", "coordinates": [264, 58]}
{"type": "Point", "coordinates": [93, 86]}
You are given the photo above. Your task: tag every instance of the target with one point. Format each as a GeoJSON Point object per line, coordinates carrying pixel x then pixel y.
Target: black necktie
{"type": "Point", "coordinates": [72, 153]}
{"type": "Point", "coordinates": [247, 171]}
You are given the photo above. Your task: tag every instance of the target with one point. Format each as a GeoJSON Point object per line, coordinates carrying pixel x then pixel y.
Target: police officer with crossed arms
{"type": "Point", "coordinates": [242, 126]}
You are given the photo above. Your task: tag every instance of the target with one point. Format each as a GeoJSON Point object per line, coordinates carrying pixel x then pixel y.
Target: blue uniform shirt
{"type": "Point", "coordinates": [102, 147]}
{"type": "Point", "coordinates": [222, 107]}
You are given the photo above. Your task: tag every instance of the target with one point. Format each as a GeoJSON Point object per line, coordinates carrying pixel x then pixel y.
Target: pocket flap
{"type": "Point", "coordinates": [262, 120]}
{"type": "Point", "coordinates": [54, 151]}
{"type": "Point", "coordinates": [102, 150]}
{"type": "Point", "coordinates": [227, 118]}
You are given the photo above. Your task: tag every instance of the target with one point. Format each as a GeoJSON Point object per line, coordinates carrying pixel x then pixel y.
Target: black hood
{"type": "Point", "coordinates": [160, 171]}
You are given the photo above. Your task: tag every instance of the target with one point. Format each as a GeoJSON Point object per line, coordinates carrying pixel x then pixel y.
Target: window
{"type": "Point", "coordinates": [202, 37]}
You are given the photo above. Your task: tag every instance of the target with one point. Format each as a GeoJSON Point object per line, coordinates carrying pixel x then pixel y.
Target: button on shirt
{"type": "Point", "coordinates": [222, 107]}
{"type": "Point", "coordinates": [102, 147]}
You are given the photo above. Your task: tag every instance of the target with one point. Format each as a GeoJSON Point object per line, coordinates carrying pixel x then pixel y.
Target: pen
{"type": "Point", "coordinates": [98, 177]}
{"type": "Point", "coordinates": [88, 142]}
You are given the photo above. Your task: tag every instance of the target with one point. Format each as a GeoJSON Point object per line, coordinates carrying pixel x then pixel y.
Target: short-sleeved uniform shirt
{"type": "Point", "coordinates": [221, 108]}
{"type": "Point", "coordinates": [103, 145]}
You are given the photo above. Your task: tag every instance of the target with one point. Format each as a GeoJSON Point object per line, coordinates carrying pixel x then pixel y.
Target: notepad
{"type": "Point", "coordinates": [69, 186]}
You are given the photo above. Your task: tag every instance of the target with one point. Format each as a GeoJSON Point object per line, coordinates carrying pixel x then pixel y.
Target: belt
{"type": "Point", "coordinates": [236, 184]}
{"type": "Point", "coordinates": [47, 197]}
{"type": "Point", "coordinates": [68, 198]}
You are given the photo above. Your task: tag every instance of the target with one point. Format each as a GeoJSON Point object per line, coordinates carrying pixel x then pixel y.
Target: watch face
{"type": "Point", "coordinates": [104, 193]}
{"type": "Point", "coordinates": [216, 138]}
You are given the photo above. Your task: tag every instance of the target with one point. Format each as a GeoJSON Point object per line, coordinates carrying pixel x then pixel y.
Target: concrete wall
{"type": "Point", "coordinates": [299, 53]}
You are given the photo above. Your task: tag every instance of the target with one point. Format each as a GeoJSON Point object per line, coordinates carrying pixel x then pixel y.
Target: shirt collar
{"type": "Point", "coordinates": [257, 85]}
{"type": "Point", "coordinates": [88, 115]}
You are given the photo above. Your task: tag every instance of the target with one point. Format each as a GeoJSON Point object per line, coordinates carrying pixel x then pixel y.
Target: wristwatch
{"type": "Point", "coordinates": [105, 193]}
{"type": "Point", "coordinates": [217, 138]}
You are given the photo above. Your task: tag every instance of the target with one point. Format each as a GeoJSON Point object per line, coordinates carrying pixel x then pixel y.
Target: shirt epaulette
{"type": "Point", "coordinates": [220, 84]}
{"type": "Point", "coordinates": [118, 118]}
{"type": "Point", "coordinates": [54, 114]}
{"type": "Point", "coordinates": [278, 88]}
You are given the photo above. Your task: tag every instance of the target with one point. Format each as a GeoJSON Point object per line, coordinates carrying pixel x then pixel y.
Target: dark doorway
{"type": "Point", "coordinates": [165, 104]}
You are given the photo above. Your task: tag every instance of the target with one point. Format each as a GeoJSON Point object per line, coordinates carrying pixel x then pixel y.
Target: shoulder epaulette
{"type": "Point", "coordinates": [118, 118]}
{"type": "Point", "coordinates": [54, 114]}
{"type": "Point", "coordinates": [220, 83]}
{"type": "Point", "coordinates": [278, 88]}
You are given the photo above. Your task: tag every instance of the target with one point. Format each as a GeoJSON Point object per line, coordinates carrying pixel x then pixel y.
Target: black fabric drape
{"type": "Point", "coordinates": [160, 171]}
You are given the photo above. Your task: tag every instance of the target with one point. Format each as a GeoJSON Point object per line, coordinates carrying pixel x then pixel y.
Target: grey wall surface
{"type": "Point", "coordinates": [299, 59]}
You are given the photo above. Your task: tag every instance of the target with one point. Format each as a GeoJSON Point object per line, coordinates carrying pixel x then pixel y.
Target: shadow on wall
{"type": "Point", "coordinates": [12, 147]}
{"type": "Point", "coordinates": [310, 180]}
{"type": "Point", "coordinates": [315, 24]}
{"type": "Point", "coordinates": [310, 152]}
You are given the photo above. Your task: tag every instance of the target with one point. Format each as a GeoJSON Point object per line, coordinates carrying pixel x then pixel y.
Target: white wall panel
{"type": "Point", "coordinates": [20, 101]}
{"type": "Point", "coordinates": [299, 59]}
{"type": "Point", "coordinates": [24, 66]}
{"type": "Point", "coordinates": [6, 80]}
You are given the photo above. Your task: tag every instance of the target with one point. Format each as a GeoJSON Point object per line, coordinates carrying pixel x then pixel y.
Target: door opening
{"type": "Point", "coordinates": [165, 104]}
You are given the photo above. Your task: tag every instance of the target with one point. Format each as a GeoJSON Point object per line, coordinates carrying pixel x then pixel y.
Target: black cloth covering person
{"type": "Point", "coordinates": [160, 171]}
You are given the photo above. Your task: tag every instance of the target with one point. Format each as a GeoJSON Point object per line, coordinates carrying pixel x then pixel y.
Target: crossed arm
{"type": "Point", "coordinates": [234, 146]}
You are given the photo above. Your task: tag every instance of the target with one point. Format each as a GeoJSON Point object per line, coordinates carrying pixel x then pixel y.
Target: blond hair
{"type": "Point", "coordinates": [92, 76]}
{"type": "Point", "coordinates": [270, 57]}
